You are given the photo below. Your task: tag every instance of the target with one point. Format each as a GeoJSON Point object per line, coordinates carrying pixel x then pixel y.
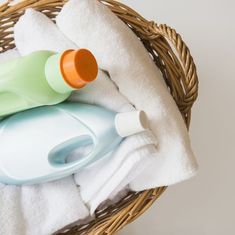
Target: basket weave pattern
{"type": "Point", "coordinates": [171, 56]}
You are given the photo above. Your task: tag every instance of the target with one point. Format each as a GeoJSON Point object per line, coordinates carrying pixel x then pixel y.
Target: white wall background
{"type": "Point", "coordinates": [204, 205]}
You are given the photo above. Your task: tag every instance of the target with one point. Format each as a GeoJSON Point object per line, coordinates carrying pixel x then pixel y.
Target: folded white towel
{"type": "Point", "coordinates": [101, 92]}
{"type": "Point", "coordinates": [114, 172]}
{"type": "Point", "coordinates": [40, 209]}
{"type": "Point", "coordinates": [90, 24]}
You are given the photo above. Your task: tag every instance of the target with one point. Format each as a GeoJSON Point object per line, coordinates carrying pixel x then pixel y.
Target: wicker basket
{"type": "Point", "coordinates": [172, 57]}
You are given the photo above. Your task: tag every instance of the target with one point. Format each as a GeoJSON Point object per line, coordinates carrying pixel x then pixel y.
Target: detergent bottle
{"type": "Point", "coordinates": [43, 78]}
{"type": "Point", "coordinates": [35, 144]}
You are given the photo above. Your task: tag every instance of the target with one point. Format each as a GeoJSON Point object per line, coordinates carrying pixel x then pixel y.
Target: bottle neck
{"type": "Point", "coordinates": [54, 76]}
{"type": "Point", "coordinates": [71, 70]}
{"type": "Point", "coordinates": [130, 123]}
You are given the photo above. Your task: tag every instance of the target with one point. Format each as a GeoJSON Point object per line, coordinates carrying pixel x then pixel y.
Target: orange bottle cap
{"type": "Point", "coordinates": [78, 67]}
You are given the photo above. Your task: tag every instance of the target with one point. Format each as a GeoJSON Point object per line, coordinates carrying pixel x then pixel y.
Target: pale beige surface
{"type": "Point", "coordinates": [206, 204]}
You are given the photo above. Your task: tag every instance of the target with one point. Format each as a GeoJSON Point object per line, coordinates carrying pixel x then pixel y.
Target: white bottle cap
{"type": "Point", "coordinates": [131, 123]}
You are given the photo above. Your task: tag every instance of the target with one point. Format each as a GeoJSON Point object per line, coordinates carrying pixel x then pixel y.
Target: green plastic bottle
{"type": "Point", "coordinates": [43, 78]}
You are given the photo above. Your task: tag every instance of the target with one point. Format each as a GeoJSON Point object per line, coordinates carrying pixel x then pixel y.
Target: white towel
{"type": "Point", "coordinates": [114, 172]}
{"type": "Point", "coordinates": [90, 24]}
{"type": "Point", "coordinates": [34, 31]}
{"type": "Point", "coordinates": [40, 209]}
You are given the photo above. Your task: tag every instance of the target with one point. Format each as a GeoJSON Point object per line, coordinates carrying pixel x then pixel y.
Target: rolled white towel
{"type": "Point", "coordinates": [34, 31]}
{"type": "Point", "coordinates": [90, 24]}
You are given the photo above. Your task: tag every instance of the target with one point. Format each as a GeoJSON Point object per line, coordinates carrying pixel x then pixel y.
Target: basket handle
{"type": "Point", "coordinates": [190, 78]}
{"type": "Point", "coordinates": [184, 54]}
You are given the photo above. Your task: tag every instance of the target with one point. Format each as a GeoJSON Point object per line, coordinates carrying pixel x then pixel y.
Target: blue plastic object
{"type": "Point", "coordinates": [35, 144]}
